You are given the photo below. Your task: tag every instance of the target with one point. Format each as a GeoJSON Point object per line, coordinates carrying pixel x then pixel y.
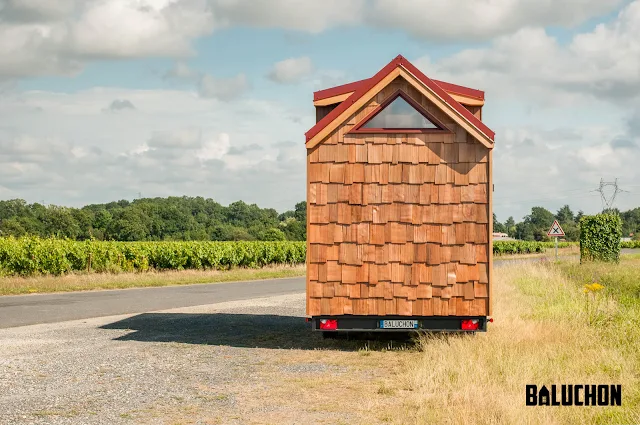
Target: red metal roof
{"type": "Point", "coordinates": [338, 90]}
{"type": "Point", "coordinates": [360, 88]}
{"type": "Point", "coordinates": [346, 88]}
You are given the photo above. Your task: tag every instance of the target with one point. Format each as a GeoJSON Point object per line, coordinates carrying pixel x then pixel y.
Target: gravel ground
{"type": "Point", "coordinates": [238, 362]}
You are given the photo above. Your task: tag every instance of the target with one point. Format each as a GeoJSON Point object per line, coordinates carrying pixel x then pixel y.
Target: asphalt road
{"type": "Point", "coordinates": [22, 310]}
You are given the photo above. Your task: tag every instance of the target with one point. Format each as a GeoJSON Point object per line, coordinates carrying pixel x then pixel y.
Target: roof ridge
{"type": "Point", "coordinates": [365, 85]}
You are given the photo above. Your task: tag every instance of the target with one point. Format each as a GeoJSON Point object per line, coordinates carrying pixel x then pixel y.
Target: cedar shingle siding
{"type": "Point", "coordinates": [398, 223]}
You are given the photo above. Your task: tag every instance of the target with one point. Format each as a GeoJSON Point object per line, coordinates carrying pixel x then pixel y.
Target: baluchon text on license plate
{"type": "Point", "coordinates": [398, 324]}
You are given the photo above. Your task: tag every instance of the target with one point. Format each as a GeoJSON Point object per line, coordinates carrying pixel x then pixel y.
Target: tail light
{"type": "Point", "coordinates": [328, 324]}
{"type": "Point", "coordinates": [470, 325]}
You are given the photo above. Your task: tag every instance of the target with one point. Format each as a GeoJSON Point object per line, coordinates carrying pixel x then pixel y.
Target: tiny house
{"type": "Point", "coordinates": [399, 195]}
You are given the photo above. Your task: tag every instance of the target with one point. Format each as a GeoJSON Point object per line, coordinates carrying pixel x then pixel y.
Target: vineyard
{"type": "Point", "coordinates": [31, 255]}
{"type": "Point", "coordinates": [526, 247]}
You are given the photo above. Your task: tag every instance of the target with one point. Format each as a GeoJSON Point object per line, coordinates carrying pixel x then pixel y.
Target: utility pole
{"type": "Point", "coordinates": [608, 193]}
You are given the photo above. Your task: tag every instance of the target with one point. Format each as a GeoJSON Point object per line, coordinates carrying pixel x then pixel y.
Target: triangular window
{"type": "Point", "coordinates": [399, 113]}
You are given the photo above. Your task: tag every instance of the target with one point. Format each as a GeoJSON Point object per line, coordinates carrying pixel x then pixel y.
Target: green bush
{"type": "Point", "coordinates": [33, 255]}
{"type": "Point", "coordinates": [600, 237]}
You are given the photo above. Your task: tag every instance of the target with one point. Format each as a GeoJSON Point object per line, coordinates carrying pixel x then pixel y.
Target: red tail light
{"type": "Point", "coordinates": [470, 325]}
{"type": "Point", "coordinates": [328, 324]}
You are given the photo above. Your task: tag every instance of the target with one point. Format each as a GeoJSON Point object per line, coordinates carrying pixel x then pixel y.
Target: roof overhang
{"type": "Point", "coordinates": [361, 92]}
{"type": "Point", "coordinates": [464, 95]}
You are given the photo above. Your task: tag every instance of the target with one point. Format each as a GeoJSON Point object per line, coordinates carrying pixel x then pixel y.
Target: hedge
{"type": "Point", "coordinates": [600, 237]}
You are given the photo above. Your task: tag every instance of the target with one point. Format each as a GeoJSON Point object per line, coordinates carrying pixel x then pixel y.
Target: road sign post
{"type": "Point", "coordinates": [556, 231]}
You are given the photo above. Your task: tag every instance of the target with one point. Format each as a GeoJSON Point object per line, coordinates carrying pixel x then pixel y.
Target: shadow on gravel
{"type": "Point", "coordinates": [241, 330]}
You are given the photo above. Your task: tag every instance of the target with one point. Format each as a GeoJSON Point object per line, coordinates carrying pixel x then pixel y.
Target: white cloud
{"type": "Point", "coordinates": [38, 38]}
{"type": "Point", "coordinates": [182, 71]}
{"type": "Point", "coordinates": [36, 10]}
{"type": "Point", "coordinates": [223, 88]}
{"type": "Point", "coordinates": [301, 15]}
{"type": "Point", "coordinates": [291, 70]}
{"type": "Point", "coordinates": [120, 105]}
{"type": "Point", "coordinates": [43, 37]}
{"type": "Point", "coordinates": [558, 166]}
{"type": "Point", "coordinates": [600, 64]}
{"type": "Point", "coordinates": [175, 144]}
{"type": "Point", "coordinates": [481, 19]}
{"type": "Point", "coordinates": [117, 29]}
{"type": "Point", "coordinates": [207, 85]}
{"type": "Point", "coordinates": [214, 148]}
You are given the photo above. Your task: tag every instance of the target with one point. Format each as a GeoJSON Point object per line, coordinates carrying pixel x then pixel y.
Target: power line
{"type": "Point", "coordinates": [608, 199]}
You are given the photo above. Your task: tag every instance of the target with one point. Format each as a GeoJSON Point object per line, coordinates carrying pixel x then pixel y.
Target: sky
{"type": "Point", "coordinates": [102, 100]}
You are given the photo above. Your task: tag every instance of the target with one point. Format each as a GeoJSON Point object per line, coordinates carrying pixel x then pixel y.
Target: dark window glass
{"type": "Point", "coordinates": [399, 114]}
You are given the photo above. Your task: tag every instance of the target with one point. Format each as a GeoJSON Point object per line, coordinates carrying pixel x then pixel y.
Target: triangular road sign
{"type": "Point", "coordinates": [555, 230]}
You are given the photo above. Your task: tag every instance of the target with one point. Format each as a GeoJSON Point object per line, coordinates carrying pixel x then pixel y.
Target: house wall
{"type": "Point", "coordinates": [397, 223]}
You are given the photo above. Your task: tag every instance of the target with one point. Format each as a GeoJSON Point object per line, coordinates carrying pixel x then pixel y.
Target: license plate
{"type": "Point", "coordinates": [398, 324]}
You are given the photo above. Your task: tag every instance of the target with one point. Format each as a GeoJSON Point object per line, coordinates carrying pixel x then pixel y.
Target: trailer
{"type": "Point", "coordinates": [399, 198]}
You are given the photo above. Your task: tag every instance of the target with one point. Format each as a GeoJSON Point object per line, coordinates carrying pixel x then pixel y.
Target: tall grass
{"type": "Point", "coordinates": [541, 335]}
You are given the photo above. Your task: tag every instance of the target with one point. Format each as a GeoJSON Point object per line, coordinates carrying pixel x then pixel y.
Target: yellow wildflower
{"type": "Point", "coordinates": [594, 287]}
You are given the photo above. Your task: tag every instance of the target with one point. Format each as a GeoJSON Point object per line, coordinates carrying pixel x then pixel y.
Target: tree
{"type": "Point", "coordinates": [631, 222]}
{"type": "Point", "coordinates": [11, 227]}
{"type": "Point", "coordinates": [525, 231]}
{"type": "Point", "coordinates": [301, 212]}
{"type": "Point", "coordinates": [568, 222]}
{"type": "Point", "coordinates": [535, 225]}
{"type": "Point", "coordinates": [58, 221]}
{"type": "Point", "coordinates": [510, 225]}
{"type": "Point", "coordinates": [565, 215]}
{"type": "Point", "coordinates": [497, 226]}
{"type": "Point", "coordinates": [293, 229]}
{"type": "Point", "coordinates": [272, 234]}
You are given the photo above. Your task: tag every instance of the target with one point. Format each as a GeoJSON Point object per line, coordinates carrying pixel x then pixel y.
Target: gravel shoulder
{"type": "Point", "coordinates": [241, 362]}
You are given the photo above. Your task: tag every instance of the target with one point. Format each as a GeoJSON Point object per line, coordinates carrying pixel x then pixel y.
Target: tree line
{"type": "Point", "coordinates": [154, 219]}
{"type": "Point", "coordinates": [197, 218]}
{"type": "Point", "coordinates": [534, 226]}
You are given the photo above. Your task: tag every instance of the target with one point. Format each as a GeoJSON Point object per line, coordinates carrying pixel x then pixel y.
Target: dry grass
{"type": "Point", "coordinates": [541, 336]}
{"type": "Point", "coordinates": [93, 281]}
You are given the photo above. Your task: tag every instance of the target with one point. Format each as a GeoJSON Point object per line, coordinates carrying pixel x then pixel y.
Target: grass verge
{"type": "Point", "coordinates": [547, 331]}
{"type": "Point", "coordinates": [92, 281]}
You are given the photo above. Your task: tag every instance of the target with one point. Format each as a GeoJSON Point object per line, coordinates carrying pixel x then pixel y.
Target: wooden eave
{"type": "Point", "coordinates": [464, 95]}
{"type": "Point", "coordinates": [365, 90]}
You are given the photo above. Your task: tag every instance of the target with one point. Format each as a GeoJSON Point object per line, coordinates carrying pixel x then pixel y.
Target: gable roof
{"type": "Point", "coordinates": [360, 88]}
{"type": "Point", "coordinates": [450, 88]}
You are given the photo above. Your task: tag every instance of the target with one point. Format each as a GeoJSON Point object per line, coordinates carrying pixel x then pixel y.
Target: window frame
{"type": "Point", "coordinates": [358, 128]}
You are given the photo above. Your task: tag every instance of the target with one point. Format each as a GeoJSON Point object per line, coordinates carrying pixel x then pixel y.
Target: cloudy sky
{"type": "Point", "coordinates": [107, 99]}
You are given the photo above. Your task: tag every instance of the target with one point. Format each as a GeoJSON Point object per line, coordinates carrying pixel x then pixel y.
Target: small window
{"type": "Point", "coordinates": [399, 114]}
